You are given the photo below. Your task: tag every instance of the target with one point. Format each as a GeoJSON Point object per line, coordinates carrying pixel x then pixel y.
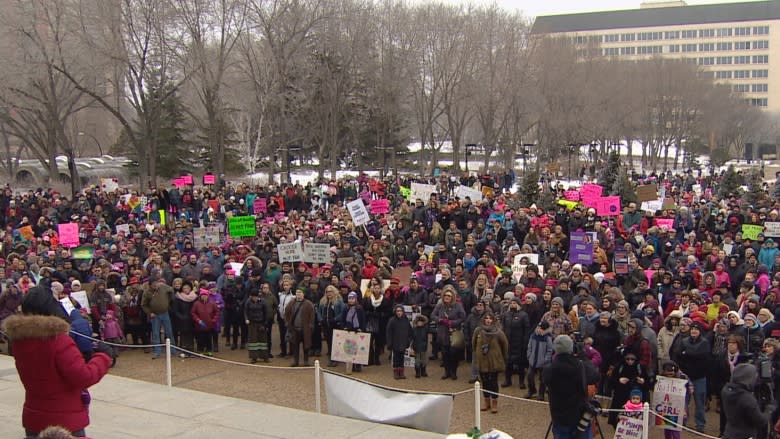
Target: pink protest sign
{"type": "Point", "coordinates": [668, 223]}
{"type": "Point", "coordinates": [178, 182]}
{"type": "Point", "coordinates": [279, 216]}
{"type": "Point", "coordinates": [572, 195]}
{"type": "Point", "coordinates": [186, 179]}
{"type": "Point", "coordinates": [380, 206]}
{"type": "Point", "coordinates": [69, 234]}
{"type": "Point", "coordinates": [260, 205]}
{"type": "Point", "coordinates": [591, 202]}
{"type": "Point", "coordinates": [591, 191]}
{"type": "Point", "coordinates": [209, 179]}
{"type": "Point", "coordinates": [608, 206]}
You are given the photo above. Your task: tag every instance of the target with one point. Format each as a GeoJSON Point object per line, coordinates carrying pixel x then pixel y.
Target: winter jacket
{"type": "Point", "coordinates": [516, 328]}
{"type": "Point", "coordinates": [568, 395]}
{"type": "Point", "coordinates": [540, 350]}
{"type": "Point", "coordinates": [695, 357]}
{"type": "Point", "coordinates": [53, 372]}
{"type": "Point", "coordinates": [205, 312]}
{"type": "Point", "coordinates": [81, 327]}
{"type": "Point", "coordinates": [741, 408]}
{"type": "Point", "coordinates": [399, 333]}
{"type": "Point", "coordinates": [453, 315]}
{"type": "Point", "coordinates": [420, 335]}
{"type": "Point", "coordinates": [256, 312]}
{"type": "Point", "coordinates": [490, 351]}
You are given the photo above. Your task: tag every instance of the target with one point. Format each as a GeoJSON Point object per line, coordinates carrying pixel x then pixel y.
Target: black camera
{"type": "Point", "coordinates": [592, 408]}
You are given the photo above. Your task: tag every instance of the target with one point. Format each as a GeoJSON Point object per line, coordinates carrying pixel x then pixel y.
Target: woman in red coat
{"type": "Point", "coordinates": [204, 315]}
{"type": "Point", "coordinates": [53, 372]}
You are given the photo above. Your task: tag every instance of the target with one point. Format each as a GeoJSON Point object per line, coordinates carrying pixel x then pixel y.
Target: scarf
{"type": "Point", "coordinates": [376, 302]}
{"type": "Point", "coordinates": [191, 297]}
{"type": "Point", "coordinates": [352, 317]}
{"type": "Point", "coordinates": [732, 359]}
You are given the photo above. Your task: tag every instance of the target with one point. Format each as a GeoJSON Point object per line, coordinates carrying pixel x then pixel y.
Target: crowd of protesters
{"type": "Point", "coordinates": [699, 295]}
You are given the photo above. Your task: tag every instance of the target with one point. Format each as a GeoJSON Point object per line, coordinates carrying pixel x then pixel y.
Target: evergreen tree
{"type": "Point", "coordinates": [729, 184]}
{"type": "Point", "coordinates": [609, 174]}
{"type": "Point", "coordinates": [172, 149]}
{"type": "Point", "coordinates": [624, 187]}
{"type": "Point", "coordinates": [755, 195]}
{"type": "Point", "coordinates": [529, 187]}
{"type": "Point", "coordinates": [776, 190]}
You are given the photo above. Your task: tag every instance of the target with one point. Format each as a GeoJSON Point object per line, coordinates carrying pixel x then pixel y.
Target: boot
{"type": "Point", "coordinates": [396, 373]}
{"type": "Point", "coordinates": [417, 371]}
{"type": "Point", "coordinates": [401, 374]}
{"type": "Point", "coordinates": [446, 373]}
{"type": "Point", "coordinates": [295, 356]}
{"type": "Point", "coordinates": [453, 371]}
{"type": "Point", "coordinates": [485, 404]}
{"type": "Point", "coordinates": [233, 346]}
{"type": "Point", "coordinates": [493, 405]}
{"type": "Point", "coordinates": [424, 371]}
{"type": "Point", "coordinates": [306, 359]}
{"type": "Point", "coordinates": [507, 380]}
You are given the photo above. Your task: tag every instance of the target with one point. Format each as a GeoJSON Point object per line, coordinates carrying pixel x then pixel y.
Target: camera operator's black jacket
{"type": "Point", "coordinates": [568, 396]}
{"type": "Point", "coordinates": [743, 415]}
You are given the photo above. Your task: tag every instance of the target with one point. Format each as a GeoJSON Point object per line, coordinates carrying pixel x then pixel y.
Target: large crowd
{"type": "Point", "coordinates": [435, 277]}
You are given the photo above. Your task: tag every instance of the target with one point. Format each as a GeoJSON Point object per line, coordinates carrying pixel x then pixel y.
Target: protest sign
{"type": "Point", "coordinates": [570, 205]}
{"type": "Point", "coordinates": [648, 192]}
{"type": "Point", "coordinates": [464, 191]}
{"type": "Point", "coordinates": [668, 204]}
{"type": "Point", "coordinates": [259, 205]}
{"type": "Point", "coordinates": [580, 248]}
{"type": "Point", "coordinates": [240, 226]}
{"type": "Point", "coordinates": [209, 179]}
{"type": "Point", "coordinates": [178, 182]}
{"type": "Point", "coordinates": [697, 189]}
{"type": "Point", "coordinates": [380, 206]}
{"type": "Point", "coordinates": [82, 299]}
{"type": "Point", "coordinates": [750, 231]}
{"type": "Point", "coordinates": [652, 206]}
{"type": "Point", "coordinates": [533, 258]}
{"type": "Point", "coordinates": [161, 213]}
{"type": "Point", "coordinates": [628, 428]}
{"type": "Point", "coordinates": [67, 305]}
{"type": "Point", "coordinates": [290, 252]}
{"type": "Point", "coordinates": [358, 212]}
{"type": "Point", "coordinates": [123, 228]}
{"type": "Point", "coordinates": [69, 234]}
{"type": "Point", "coordinates": [572, 195]}
{"type": "Point", "coordinates": [668, 223]}
{"type": "Point", "coordinates": [727, 248]}
{"type": "Point", "coordinates": [405, 192]}
{"type": "Point", "coordinates": [109, 184]}
{"type": "Point", "coordinates": [236, 267]}
{"type": "Point", "coordinates": [318, 253]}
{"type": "Point", "coordinates": [608, 206]}
{"type": "Point", "coordinates": [772, 229]}
{"type": "Point", "coordinates": [669, 401]}
{"type": "Point", "coordinates": [187, 179]}
{"type": "Point", "coordinates": [621, 262]}
{"type": "Point", "coordinates": [422, 192]}
{"type": "Point", "coordinates": [404, 274]}
{"type": "Point", "coordinates": [591, 191]}
{"type": "Point", "coordinates": [83, 252]}
{"type": "Point", "coordinates": [26, 232]}
{"type": "Point", "coordinates": [350, 347]}
{"type": "Point", "coordinates": [206, 237]}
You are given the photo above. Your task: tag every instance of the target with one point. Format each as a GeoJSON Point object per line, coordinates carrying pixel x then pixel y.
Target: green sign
{"type": "Point", "coordinates": [405, 192]}
{"type": "Point", "coordinates": [83, 252]}
{"type": "Point", "coordinates": [751, 232]}
{"type": "Point", "coordinates": [240, 226]}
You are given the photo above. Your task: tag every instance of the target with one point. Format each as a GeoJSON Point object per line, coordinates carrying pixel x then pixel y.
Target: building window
{"type": "Point", "coordinates": [707, 61]}
{"type": "Point", "coordinates": [595, 39]}
{"type": "Point", "coordinates": [627, 37]}
{"type": "Point", "coordinates": [759, 88]}
{"type": "Point", "coordinates": [723, 46]}
{"type": "Point", "coordinates": [723, 74]}
{"type": "Point", "coordinates": [741, 88]}
{"type": "Point", "coordinates": [723, 60]}
{"type": "Point", "coordinates": [688, 34]}
{"type": "Point", "coordinates": [763, 73]}
{"type": "Point", "coordinates": [627, 50]}
{"type": "Point", "coordinates": [742, 45]}
{"type": "Point", "coordinates": [742, 59]}
{"type": "Point", "coordinates": [611, 51]}
{"type": "Point", "coordinates": [580, 39]}
{"type": "Point", "coordinates": [763, 44]}
{"type": "Point", "coordinates": [611, 38]}
{"type": "Point", "coordinates": [760, 30]}
{"type": "Point", "coordinates": [742, 31]}
{"type": "Point", "coordinates": [689, 48]}
{"type": "Point", "coordinates": [672, 35]}
{"type": "Point", "coordinates": [689, 61]}
{"type": "Point", "coordinates": [644, 50]}
{"type": "Point", "coordinates": [706, 33]}
{"type": "Point", "coordinates": [760, 59]}
{"type": "Point", "coordinates": [759, 102]}
{"type": "Point", "coordinates": [674, 48]}
{"type": "Point", "coordinates": [741, 74]}
{"type": "Point", "coordinates": [706, 47]}
{"type": "Point", "coordinates": [724, 32]}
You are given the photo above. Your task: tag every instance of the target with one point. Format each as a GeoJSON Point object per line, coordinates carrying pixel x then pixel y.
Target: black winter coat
{"type": "Point", "coordinates": [516, 327]}
{"type": "Point", "coordinates": [568, 395]}
{"type": "Point", "coordinates": [399, 333]}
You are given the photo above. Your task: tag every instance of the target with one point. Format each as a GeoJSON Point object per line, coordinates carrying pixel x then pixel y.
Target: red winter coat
{"type": "Point", "coordinates": [205, 312]}
{"type": "Point", "coordinates": [53, 372]}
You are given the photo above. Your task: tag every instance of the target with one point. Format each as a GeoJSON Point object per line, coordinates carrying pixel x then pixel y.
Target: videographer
{"type": "Point", "coordinates": [567, 379]}
{"type": "Point", "coordinates": [744, 417]}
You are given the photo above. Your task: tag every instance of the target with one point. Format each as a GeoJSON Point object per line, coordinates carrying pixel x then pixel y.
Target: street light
{"type": "Point", "coordinates": [97, 142]}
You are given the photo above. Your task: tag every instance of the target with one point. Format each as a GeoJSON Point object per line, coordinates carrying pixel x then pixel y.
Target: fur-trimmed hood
{"type": "Point", "coordinates": [20, 327]}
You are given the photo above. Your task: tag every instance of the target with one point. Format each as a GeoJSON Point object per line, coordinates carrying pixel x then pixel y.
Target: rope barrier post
{"type": "Point", "coordinates": [317, 402]}
{"type": "Point", "coordinates": [477, 412]}
{"type": "Point", "coordinates": [168, 378]}
{"type": "Point", "coordinates": [645, 420]}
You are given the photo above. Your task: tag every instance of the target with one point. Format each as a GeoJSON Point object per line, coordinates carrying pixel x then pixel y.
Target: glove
{"type": "Point", "coordinates": [450, 324]}
{"type": "Point", "coordinates": [202, 324]}
{"type": "Point", "coordinates": [105, 349]}
{"type": "Point", "coordinates": [444, 322]}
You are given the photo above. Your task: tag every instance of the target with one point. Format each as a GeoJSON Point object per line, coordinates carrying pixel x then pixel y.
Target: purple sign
{"type": "Point", "coordinates": [580, 248]}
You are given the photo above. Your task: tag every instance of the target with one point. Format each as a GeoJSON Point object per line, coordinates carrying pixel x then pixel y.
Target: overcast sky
{"type": "Point", "coordinates": [533, 8]}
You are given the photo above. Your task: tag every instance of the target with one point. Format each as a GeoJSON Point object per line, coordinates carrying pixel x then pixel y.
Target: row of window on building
{"type": "Point", "coordinates": [741, 74]}
{"type": "Point", "coordinates": [705, 60]}
{"type": "Point", "coordinates": [758, 102]}
{"type": "Point", "coordinates": [673, 35]}
{"type": "Point", "coordinates": [750, 88]}
{"type": "Point", "coordinates": [702, 47]}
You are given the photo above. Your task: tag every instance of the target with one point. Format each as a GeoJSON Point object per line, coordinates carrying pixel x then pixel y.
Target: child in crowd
{"type": "Point", "coordinates": [420, 345]}
{"type": "Point", "coordinates": [633, 407]}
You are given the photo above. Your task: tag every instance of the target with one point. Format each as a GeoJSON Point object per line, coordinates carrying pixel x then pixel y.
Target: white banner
{"type": "Point", "coordinates": [290, 252]}
{"type": "Point", "coordinates": [628, 428]}
{"type": "Point", "coordinates": [669, 401]}
{"type": "Point", "coordinates": [358, 212]}
{"type": "Point", "coordinates": [206, 237]}
{"type": "Point", "coordinates": [652, 206]}
{"type": "Point", "coordinates": [422, 191]}
{"type": "Point", "coordinates": [465, 191]}
{"type": "Point", "coordinates": [317, 253]}
{"type": "Point", "coordinates": [354, 399]}
{"type": "Point", "coordinates": [772, 229]}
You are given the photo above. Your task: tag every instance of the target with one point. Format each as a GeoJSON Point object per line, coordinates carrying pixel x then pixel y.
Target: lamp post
{"type": "Point", "coordinates": [97, 142]}
{"type": "Point", "coordinates": [525, 152]}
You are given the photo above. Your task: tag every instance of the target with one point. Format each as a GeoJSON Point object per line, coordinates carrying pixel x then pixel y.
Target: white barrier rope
{"type": "Point", "coordinates": [697, 433]}
{"type": "Point", "coordinates": [121, 345]}
{"type": "Point", "coordinates": [222, 360]}
{"type": "Point", "coordinates": [397, 389]}
{"type": "Point", "coordinates": [535, 401]}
